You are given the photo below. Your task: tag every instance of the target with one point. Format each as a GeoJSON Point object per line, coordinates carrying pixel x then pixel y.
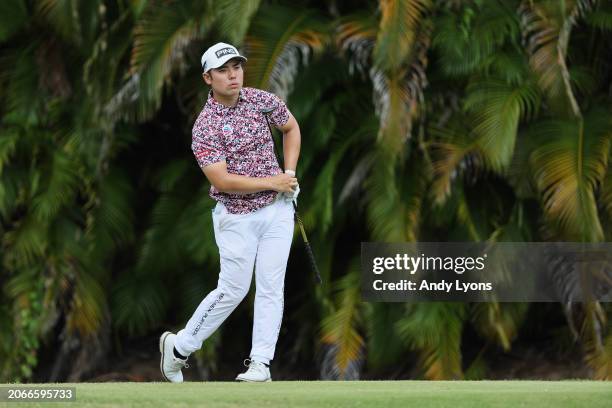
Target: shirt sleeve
{"type": "Point", "coordinates": [207, 147]}
{"type": "Point", "coordinates": [280, 115]}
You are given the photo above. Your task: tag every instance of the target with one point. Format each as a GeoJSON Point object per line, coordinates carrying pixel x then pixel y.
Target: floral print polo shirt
{"type": "Point", "coordinates": [240, 136]}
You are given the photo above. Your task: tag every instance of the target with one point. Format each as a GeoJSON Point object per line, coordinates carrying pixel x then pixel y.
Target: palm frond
{"type": "Point", "coordinates": [413, 192]}
{"type": "Point", "coordinates": [192, 227]}
{"type": "Point", "coordinates": [452, 149]}
{"type": "Point", "coordinates": [601, 360]}
{"type": "Point", "coordinates": [470, 39]}
{"type": "Point", "coordinates": [323, 207]}
{"type": "Point", "coordinates": [498, 109]}
{"type": "Point", "coordinates": [341, 328]}
{"type": "Point", "coordinates": [13, 16]}
{"type": "Point", "coordinates": [384, 345]}
{"type": "Point", "coordinates": [64, 16]}
{"type": "Point", "coordinates": [234, 17]}
{"type": "Point", "coordinates": [398, 94]}
{"type": "Point", "coordinates": [398, 32]}
{"type": "Point", "coordinates": [88, 307]}
{"type": "Point", "coordinates": [596, 342]}
{"type": "Point", "coordinates": [12, 181]}
{"type": "Point", "coordinates": [601, 16]}
{"type": "Point", "coordinates": [605, 192]}
{"type": "Point", "coordinates": [519, 173]}
{"type": "Point", "coordinates": [435, 330]}
{"type": "Point", "coordinates": [568, 166]}
{"type": "Point", "coordinates": [138, 302]}
{"type": "Point", "coordinates": [278, 41]}
{"type": "Point", "coordinates": [356, 37]}
{"type": "Point", "coordinates": [547, 26]}
{"type": "Point", "coordinates": [58, 187]}
{"type": "Point", "coordinates": [19, 70]}
{"type": "Point", "coordinates": [8, 143]}
{"type": "Point", "coordinates": [511, 66]}
{"type": "Point", "coordinates": [26, 242]}
{"type": "Point", "coordinates": [110, 224]}
{"type": "Point", "coordinates": [395, 108]}
{"type": "Point", "coordinates": [160, 250]}
{"type": "Point", "coordinates": [498, 322]}
{"type": "Point", "coordinates": [383, 218]}
{"type": "Point", "coordinates": [161, 38]}
{"type": "Point", "coordinates": [102, 67]}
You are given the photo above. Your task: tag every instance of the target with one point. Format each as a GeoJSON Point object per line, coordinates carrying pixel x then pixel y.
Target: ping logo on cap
{"type": "Point", "coordinates": [225, 51]}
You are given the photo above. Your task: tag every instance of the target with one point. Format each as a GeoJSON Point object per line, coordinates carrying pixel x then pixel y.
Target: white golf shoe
{"type": "Point", "coordinates": [257, 372]}
{"type": "Point", "coordinates": [169, 365]}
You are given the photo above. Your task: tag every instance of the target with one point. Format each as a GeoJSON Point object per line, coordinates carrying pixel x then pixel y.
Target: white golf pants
{"type": "Point", "coordinates": [261, 239]}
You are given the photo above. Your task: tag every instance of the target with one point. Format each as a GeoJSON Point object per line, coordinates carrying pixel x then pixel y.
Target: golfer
{"type": "Point", "coordinates": [253, 218]}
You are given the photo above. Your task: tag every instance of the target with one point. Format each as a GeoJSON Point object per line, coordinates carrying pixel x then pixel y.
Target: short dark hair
{"type": "Point", "coordinates": [236, 59]}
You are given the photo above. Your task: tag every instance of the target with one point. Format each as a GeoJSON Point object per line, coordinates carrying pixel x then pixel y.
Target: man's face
{"type": "Point", "coordinates": [227, 79]}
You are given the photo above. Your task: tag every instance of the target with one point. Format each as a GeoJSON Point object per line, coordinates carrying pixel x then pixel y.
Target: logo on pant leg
{"type": "Point", "coordinates": [210, 309]}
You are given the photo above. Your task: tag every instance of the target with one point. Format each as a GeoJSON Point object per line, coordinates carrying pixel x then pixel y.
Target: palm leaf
{"type": "Point", "coordinates": [323, 207]}
{"type": "Point", "coordinates": [234, 17]}
{"type": "Point", "coordinates": [278, 40]}
{"type": "Point", "coordinates": [498, 322]}
{"type": "Point", "coordinates": [160, 250]}
{"type": "Point", "coordinates": [547, 25]}
{"type": "Point", "coordinates": [59, 186]}
{"type": "Point", "coordinates": [111, 219]}
{"type": "Point", "coordinates": [161, 38]}
{"type": "Point", "coordinates": [356, 38]}
{"type": "Point", "coordinates": [398, 94]}
{"type": "Point", "coordinates": [605, 192]}
{"type": "Point", "coordinates": [194, 230]}
{"type": "Point", "coordinates": [13, 16]}
{"type": "Point", "coordinates": [435, 330]}
{"type": "Point", "coordinates": [519, 173]}
{"type": "Point", "coordinates": [63, 16]}
{"type": "Point", "coordinates": [397, 32]}
{"type": "Point", "coordinates": [341, 328]}
{"type": "Point", "coordinates": [384, 203]}
{"type": "Point", "coordinates": [470, 39]}
{"type": "Point", "coordinates": [11, 181]}
{"type": "Point", "coordinates": [384, 345]}
{"type": "Point", "coordinates": [8, 143]}
{"type": "Point", "coordinates": [19, 70]}
{"type": "Point", "coordinates": [569, 164]}
{"type": "Point", "coordinates": [452, 149]}
{"type": "Point", "coordinates": [601, 16]}
{"type": "Point", "coordinates": [88, 306]}
{"type": "Point", "coordinates": [26, 242]}
{"type": "Point", "coordinates": [597, 344]}
{"type": "Point", "coordinates": [138, 302]}
{"type": "Point", "coordinates": [601, 361]}
{"type": "Point", "coordinates": [498, 109]}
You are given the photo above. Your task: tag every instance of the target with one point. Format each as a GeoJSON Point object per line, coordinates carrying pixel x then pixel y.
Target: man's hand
{"type": "Point", "coordinates": [292, 196]}
{"type": "Point", "coordinates": [283, 183]}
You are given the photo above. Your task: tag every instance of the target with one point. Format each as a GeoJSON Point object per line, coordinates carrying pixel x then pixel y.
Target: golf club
{"type": "Point", "coordinates": [311, 257]}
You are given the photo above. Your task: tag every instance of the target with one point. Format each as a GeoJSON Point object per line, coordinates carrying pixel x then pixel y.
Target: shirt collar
{"type": "Point", "coordinates": [218, 107]}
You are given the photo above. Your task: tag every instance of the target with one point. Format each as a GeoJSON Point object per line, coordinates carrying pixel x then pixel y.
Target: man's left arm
{"type": "Point", "coordinates": [291, 143]}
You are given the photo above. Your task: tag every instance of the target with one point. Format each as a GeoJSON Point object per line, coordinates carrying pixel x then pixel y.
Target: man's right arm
{"type": "Point", "coordinates": [236, 184]}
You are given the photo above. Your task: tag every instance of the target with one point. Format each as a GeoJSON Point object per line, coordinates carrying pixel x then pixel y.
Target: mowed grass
{"type": "Point", "coordinates": [322, 394]}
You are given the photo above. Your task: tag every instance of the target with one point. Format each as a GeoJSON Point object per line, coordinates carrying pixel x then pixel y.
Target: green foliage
{"type": "Point", "coordinates": [13, 15]}
{"type": "Point", "coordinates": [421, 120]}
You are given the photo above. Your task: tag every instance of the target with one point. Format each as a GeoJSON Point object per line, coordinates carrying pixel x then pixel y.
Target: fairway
{"type": "Point", "coordinates": [341, 394]}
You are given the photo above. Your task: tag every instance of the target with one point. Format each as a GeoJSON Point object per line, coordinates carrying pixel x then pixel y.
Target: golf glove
{"type": "Point", "coordinates": [292, 196]}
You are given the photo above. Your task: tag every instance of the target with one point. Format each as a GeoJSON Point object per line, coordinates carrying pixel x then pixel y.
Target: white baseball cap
{"type": "Point", "coordinates": [218, 55]}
